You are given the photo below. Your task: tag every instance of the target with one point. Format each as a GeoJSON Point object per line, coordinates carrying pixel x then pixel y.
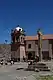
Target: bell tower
{"type": "Point", "coordinates": [17, 43]}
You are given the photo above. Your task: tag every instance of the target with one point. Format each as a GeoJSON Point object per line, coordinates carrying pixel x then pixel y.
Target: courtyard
{"type": "Point", "coordinates": [9, 72]}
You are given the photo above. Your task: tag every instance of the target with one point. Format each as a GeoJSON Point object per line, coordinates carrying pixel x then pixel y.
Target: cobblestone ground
{"type": "Point", "coordinates": [10, 73]}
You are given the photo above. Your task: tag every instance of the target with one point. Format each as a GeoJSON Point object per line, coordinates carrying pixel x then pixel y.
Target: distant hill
{"type": "Point", "coordinates": [5, 51]}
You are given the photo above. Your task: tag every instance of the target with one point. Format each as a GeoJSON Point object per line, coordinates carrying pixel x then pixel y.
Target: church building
{"type": "Point", "coordinates": [27, 46]}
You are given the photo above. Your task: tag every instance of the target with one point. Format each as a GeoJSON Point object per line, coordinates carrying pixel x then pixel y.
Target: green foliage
{"type": "Point", "coordinates": [49, 77]}
{"type": "Point", "coordinates": [46, 78]}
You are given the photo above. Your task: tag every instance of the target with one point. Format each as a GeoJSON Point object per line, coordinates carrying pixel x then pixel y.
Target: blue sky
{"type": "Point", "coordinates": [29, 14]}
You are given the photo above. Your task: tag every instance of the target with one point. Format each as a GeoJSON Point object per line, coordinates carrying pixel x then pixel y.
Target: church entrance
{"type": "Point", "coordinates": [31, 55]}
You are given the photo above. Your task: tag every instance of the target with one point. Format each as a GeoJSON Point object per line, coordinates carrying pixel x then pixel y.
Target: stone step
{"type": "Point", "coordinates": [40, 66]}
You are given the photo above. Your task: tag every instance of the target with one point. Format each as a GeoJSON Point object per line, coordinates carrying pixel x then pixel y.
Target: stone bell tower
{"type": "Point", "coordinates": [17, 43]}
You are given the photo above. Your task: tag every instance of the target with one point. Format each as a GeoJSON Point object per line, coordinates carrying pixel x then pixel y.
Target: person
{"type": "Point", "coordinates": [11, 62]}
{"type": "Point", "coordinates": [23, 58]}
{"type": "Point", "coordinates": [1, 62]}
{"type": "Point", "coordinates": [6, 63]}
{"type": "Point", "coordinates": [37, 58]}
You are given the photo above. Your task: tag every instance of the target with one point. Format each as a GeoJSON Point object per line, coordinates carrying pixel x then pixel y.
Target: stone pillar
{"type": "Point", "coordinates": [40, 55]}
{"type": "Point", "coordinates": [39, 44]}
{"type": "Point", "coordinates": [40, 47]}
{"type": "Point", "coordinates": [22, 52]}
{"type": "Point", "coordinates": [50, 50]}
{"type": "Point", "coordinates": [36, 52]}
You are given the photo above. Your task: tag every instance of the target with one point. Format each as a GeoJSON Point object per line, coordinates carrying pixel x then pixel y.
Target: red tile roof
{"type": "Point", "coordinates": [36, 37]}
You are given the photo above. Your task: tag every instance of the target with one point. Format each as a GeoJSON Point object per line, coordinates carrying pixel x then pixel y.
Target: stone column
{"type": "Point", "coordinates": [39, 44]}
{"type": "Point", "coordinates": [36, 51]}
{"type": "Point", "coordinates": [22, 52]}
{"type": "Point", "coordinates": [50, 51]}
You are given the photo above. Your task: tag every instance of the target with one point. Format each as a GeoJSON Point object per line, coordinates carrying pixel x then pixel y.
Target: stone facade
{"type": "Point", "coordinates": [46, 49]}
{"type": "Point", "coordinates": [8, 51]}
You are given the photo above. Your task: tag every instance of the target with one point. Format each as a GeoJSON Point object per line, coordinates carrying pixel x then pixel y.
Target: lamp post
{"type": "Point", "coordinates": [39, 44]}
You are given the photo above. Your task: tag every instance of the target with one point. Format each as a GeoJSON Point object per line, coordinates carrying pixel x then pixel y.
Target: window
{"type": "Point", "coordinates": [29, 45]}
{"type": "Point", "coordinates": [17, 37]}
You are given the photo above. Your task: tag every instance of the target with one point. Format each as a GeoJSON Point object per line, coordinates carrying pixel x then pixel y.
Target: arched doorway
{"type": "Point", "coordinates": [29, 56]}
